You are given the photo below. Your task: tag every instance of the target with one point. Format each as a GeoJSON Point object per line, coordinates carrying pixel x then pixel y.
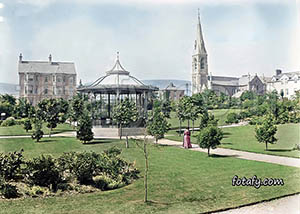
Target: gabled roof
{"type": "Point", "coordinates": [289, 75]}
{"type": "Point", "coordinates": [46, 67]}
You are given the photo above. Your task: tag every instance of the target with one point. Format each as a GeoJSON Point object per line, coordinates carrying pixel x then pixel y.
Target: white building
{"type": "Point", "coordinates": [285, 84]}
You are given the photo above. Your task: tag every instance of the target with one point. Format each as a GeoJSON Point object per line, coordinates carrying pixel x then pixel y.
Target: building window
{"type": "Point", "coordinates": [46, 91]}
{"type": "Point", "coordinates": [36, 78]}
{"type": "Point", "coordinates": [25, 89]}
{"type": "Point", "coordinates": [58, 79]}
{"type": "Point", "coordinates": [36, 90]}
{"type": "Point", "coordinates": [53, 78]}
{"type": "Point", "coordinates": [46, 79]}
{"type": "Point", "coordinates": [64, 79]}
{"type": "Point", "coordinates": [202, 65]}
{"type": "Point", "coordinates": [287, 91]}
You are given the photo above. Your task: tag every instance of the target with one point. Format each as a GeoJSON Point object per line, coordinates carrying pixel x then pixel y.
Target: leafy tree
{"type": "Point", "coordinates": [207, 119]}
{"type": "Point", "coordinates": [77, 106]}
{"type": "Point", "coordinates": [210, 137]}
{"type": "Point", "coordinates": [125, 113]}
{"type": "Point", "coordinates": [157, 125]}
{"type": "Point", "coordinates": [37, 132]}
{"type": "Point", "coordinates": [27, 124]}
{"type": "Point", "coordinates": [165, 107]}
{"type": "Point", "coordinates": [7, 103]}
{"type": "Point", "coordinates": [63, 110]}
{"type": "Point", "coordinates": [196, 108]}
{"type": "Point", "coordinates": [265, 133]}
{"type": "Point", "coordinates": [8, 98]}
{"type": "Point", "coordinates": [50, 109]}
{"type": "Point", "coordinates": [84, 127]}
{"type": "Point", "coordinates": [23, 109]}
{"type": "Point", "coordinates": [232, 117]}
{"type": "Point", "coordinates": [248, 95]}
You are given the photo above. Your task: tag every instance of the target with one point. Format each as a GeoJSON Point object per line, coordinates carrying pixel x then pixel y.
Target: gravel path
{"type": "Point", "coordinates": [295, 162]}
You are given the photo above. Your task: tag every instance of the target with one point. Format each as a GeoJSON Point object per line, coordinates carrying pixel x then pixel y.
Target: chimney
{"type": "Point", "coordinates": [50, 58]}
{"type": "Point", "coordinates": [20, 57]}
{"type": "Point", "coordinates": [278, 72]}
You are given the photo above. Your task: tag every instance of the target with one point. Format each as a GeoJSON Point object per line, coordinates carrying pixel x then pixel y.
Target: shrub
{"type": "Point", "coordinates": [43, 171]}
{"type": "Point", "coordinates": [232, 118]}
{"type": "Point", "coordinates": [27, 124]}
{"type": "Point", "coordinates": [104, 182]}
{"type": "Point", "coordinates": [37, 133]}
{"type": "Point", "coordinates": [9, 190]}
{"type": "Point", "coordinates": [256, 120]}
{"type": "Point", "coordinates": [10, 121]}
{"type": "Point", "coordinates": [10, 165]}
{"type": "Point", "coordinates": [244, 114]}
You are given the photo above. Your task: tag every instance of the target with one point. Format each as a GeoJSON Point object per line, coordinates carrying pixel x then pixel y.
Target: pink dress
{"type": "Point", "coordinates": [187, 140]}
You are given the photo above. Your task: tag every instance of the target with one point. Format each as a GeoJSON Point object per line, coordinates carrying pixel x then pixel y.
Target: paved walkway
{"type": "Point", "coordinates": [295, 162]}
{"type": "Point", "coordinates": [288, 205]}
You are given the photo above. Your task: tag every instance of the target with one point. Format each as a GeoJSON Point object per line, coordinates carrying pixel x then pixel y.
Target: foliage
{"type": "Point", "coordinates": [43, 171]}
{"type": "Point", "coordinates": [10, 165]}
{"type": "Point", "coordinates": [78, 105]}
{"type": "Point", "coordinates": [23, 109]}
{"type": "Point", "coordinates": [207, 119]}
{"type": "Point", "coordinates": [232, 118]}
{"type": "Point", "coordinates": [164, 106]}
{"type": "Point", "coordinates": [125, 112]}
{"type": "Point", "coordinates": [210, 137]}
{"type": "Point", "coordinates": [37, 133]}
{"type": "Point", "coordinates": [265, 133]}
{"type": "Point", "coordinates": [8, 190]}
{"type": "Point", "coordinates": [27, 124]}
{"type": "Point", "coordinates": [10, 121]}
{"type": "Point", "coordinates": [248, 95]}
{"type": "Point", "coordinates": [157, 124]}
{"type": "Point", "coordinates": [84, 127]}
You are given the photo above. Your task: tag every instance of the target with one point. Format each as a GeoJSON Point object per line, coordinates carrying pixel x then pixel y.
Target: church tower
{"type": "Point", "coordinates": [199, 63]}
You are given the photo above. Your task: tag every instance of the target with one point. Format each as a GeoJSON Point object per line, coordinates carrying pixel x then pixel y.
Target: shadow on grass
{"type": "Point", "coordinates": [226, 143]}
{"type": "Point", "coordinates": [223, 156]}
{"type": "Point", "coordinates": [47, 140]}
{"type": "Point", "coordinates": [280, 150]}
{"type": "Point", "coordinates": [151, 202]}
{"type": "Point", "coordinates": [100, 141]}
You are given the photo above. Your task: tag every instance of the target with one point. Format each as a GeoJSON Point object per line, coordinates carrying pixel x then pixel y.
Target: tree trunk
{"type": "Point", "coordinates": [146, 173]}
{"type": "Point", "coordinates": [193, 126]}
{"type": "Point", "coordinates": [179, 127]}
{"type": "Point", "coordinates": [266, 146]}
{"type": "Point", "coordinates": [156, 139]}
{"type": "Point", "coordinates": [208, 151]}
{"type": "Point", "coordinates": [120, 131]}
{"type": "Point", "coordinates": [127, 145]}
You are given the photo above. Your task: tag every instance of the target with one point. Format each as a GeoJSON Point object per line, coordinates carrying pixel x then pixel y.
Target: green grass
{"type": "Point", "coordinates": [181, 181]}
{"type": "Point", "coordinates": [18, 130]}
{"type": "Point", "coordinates": [243, 138]}
{"type": "Point", "coordinates": [219, 114]}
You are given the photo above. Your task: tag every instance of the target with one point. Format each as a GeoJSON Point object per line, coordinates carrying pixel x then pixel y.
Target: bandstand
{"type": "Point", "coordinates": [113, 87]}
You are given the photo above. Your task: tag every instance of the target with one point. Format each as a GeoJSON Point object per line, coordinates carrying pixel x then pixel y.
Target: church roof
{"type": "Point", "coordinates": [46, 67]}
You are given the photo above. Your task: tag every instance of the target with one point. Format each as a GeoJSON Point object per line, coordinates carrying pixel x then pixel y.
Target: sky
{"type": "Point", "coordinates": [155, 38]}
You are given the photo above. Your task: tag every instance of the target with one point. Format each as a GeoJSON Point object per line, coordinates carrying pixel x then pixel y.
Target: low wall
{"type": "Point", "coordinates": [132, 131]}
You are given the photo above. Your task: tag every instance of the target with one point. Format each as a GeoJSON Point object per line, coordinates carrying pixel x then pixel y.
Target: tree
{"type": "Point", "coordinates": [210, 137]}
{"type": "Point", "coordinates": [165, 107]}
{"type": "Point", "coordinates": [84, 127]}
{"type": "Point", "coordinates": [37, 132]}
{"type": "Point", "coordinates": [265, 133]}
{"type": "Point", "coordinates": [207, 119]}
{"type": "Point", "coordinates": [196, 108]}
{"type": "Point", "coordinates": [77, 106]}
{"type": "Point", "coordinates": [144, 148]}
{"type": "Point", "coordinates": [23, 109]}
{"type": "Point", "coordinates": [49, 109]}
{"type": "Point", "coordinates": [157, 125]}
{"type": "Point", "coordinates": [27, 124]}
{"type": "Point", "coordinates": [125, 113]}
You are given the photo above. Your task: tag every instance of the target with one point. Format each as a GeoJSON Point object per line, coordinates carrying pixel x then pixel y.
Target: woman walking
{"type": "Point", "coordinates": [187, 139]}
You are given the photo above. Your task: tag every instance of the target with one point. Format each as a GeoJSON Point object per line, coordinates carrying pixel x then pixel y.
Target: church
{"type": "Point", "coordinates": [232, 86]}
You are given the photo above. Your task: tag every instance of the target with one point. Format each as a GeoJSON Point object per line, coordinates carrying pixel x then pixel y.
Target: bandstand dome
{"type": "Point", "coordinates": [115, 85]}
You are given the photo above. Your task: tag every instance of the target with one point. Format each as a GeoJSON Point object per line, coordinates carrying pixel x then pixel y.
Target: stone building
{"type": "Point", "coordinates": [232, 86]}
{"type": "Point", "coordinates": [171, 92]}
{"type": "Point", "coordinates": [286, 84]}
{"type": "Point", "coordinates": [46, 79]}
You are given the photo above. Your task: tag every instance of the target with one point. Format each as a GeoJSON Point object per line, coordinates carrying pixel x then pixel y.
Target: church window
{"type": "Point", "coordinates": [202, 63]}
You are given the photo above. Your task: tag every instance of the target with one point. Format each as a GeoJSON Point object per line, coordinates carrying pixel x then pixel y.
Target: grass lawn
{"type": "Point", "coordinates": [219, 114]}
{"type": "Point", "coordinates": [19, 130]}
{"type": "Point", "coordinates": [243, 138]}
{"type": "Point", "coordinates": [181, 181]}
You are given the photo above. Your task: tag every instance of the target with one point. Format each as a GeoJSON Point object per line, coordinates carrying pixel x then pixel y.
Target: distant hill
{"type": "Point", "coordinates": [163, 83]}
{"type": "Point", "coordinates": [8, 88]}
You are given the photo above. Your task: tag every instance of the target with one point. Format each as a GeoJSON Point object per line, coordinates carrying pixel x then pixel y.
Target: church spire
{"type": "Point", "coordinates": [199, 44]}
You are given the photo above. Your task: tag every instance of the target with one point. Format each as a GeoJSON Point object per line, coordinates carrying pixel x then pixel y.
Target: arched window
{"type": "Point", "coordinates": [202, 66]}
{"type": "Point", "coordinates": [195, 63]}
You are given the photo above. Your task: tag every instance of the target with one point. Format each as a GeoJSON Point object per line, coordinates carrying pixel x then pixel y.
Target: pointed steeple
{"type": "Point", "coordinates": [199, 44]}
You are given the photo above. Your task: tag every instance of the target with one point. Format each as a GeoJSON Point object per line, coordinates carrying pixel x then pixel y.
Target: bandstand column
{"type": "Point", "coordinates": [108, 105]}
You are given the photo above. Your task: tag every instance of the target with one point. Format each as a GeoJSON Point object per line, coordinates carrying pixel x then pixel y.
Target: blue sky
{"type": "Point", "coordinates": [154, 37]}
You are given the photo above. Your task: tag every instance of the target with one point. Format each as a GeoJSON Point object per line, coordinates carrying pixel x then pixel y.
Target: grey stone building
{"type": "Point", "coordinates": [46, 79]}
{"type": "Point", "coordinates": [171, 92]}
{"type": "Point", "coordinates": [232, 86]}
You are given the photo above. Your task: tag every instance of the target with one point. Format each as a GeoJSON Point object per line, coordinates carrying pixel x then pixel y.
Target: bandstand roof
{"type": "Point", "coordinates": [117, 79]}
